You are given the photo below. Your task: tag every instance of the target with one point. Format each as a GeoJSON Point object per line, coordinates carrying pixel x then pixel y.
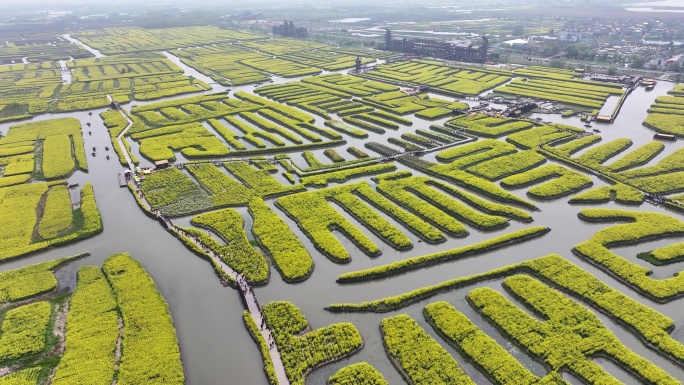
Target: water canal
{"type": "Point", "coordinates": [215, 346]}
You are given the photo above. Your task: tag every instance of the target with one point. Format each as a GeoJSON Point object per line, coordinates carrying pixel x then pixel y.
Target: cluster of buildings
{"type": "Point", "coordinates": [463, 50]}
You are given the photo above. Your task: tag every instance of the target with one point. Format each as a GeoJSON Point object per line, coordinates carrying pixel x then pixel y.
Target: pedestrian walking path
{"type": "Point", "coordinates": [257, 315]}
{"type": "Point", "coordinates": [244, 288]}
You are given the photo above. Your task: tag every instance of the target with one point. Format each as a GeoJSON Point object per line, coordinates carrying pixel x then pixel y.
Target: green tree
{"type": "Point", "coordinates": [638, 62]}
{"type": "Point", "coordinates": [518, 30]}
{"type": "Point", "coordinates": [612, 70]}
{"type": "Point", "coordinates": [572, 50]}
{"type": "Point", "coordinates": [557, 63]}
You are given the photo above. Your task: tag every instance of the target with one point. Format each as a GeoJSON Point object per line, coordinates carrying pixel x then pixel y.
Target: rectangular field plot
{"type": "Point", "coordinates": [36, 216]}
{"type": "Point", "coordinates": [249, 124]}
{"type": "Point", "coordinates": [24, 331]}
{"type": "Point", "coordinates": [128, 40]}
{"type": "Point", "coordinates": [57, 142]}
{"type": "Point", "coordinates": [442, 79]}
{"type": "Point", "coordinates": [212, 61]}
{"type": "Point", "coordinates": [489, 126]}
{"type": "Point", "coordinates": [32, 89]}
{"type": "Point", "coordinates": [667, 113]}
{"type": "Point", "coordinates": [254, 62]}
{"type": "Point", "coordinates": [380, 108]}
{"type": "Point", "coordinates": [629, 167]}
{"type": "Point", "coordinates": [40, 47]}
{"type": "Point", "coordinates": [424, 206]}
{"type": "Point", "coordinates": [207, 186]}
{"type": "Point", "coordinates": [581, 93]}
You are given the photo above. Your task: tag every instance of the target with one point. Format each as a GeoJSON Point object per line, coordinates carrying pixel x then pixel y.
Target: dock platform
{"type": "Point", "coordinates": [122, 180]}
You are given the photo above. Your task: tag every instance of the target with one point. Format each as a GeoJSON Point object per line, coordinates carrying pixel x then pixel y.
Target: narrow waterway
{"type": "Point", "coordinates": [215, 346]}
{"type": "Point", "coordinates": [95, 52]}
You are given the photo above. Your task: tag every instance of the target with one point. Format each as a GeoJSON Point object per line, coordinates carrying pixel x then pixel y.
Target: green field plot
{"type": "Point", "coordinates": [546, 72]}
{"type": "Point", "coordinates": [288, 253]}
{"type": "Point", "coordinates": [554, 181]}
{"type": "Point", "coordinates": [206, 186]}
{"type": "Point", "coordinates": [192, 140]}
{"type": "Point", "coordinates": [29, 89]}
{"type": "Point", "coordinates": [280, 67]}
{"type": "Point", "coordinates": [23, 331]}
{"type": "Point", "coordinates": [506, 165]}
{"type": "Point", "coordinates": [249, 124]}
{"type": "Point", "coordinates": [489, 126]}
{"type": "Point", "coordinates": [568, 319]}
{"type": "Point", "coordinates": [341, 176]}
{"type": "Point", "coordinates": [187, 110]}
{"type": "Point", "coordinates": [254, 62]}
{"type": "Point", "coordinates": [114, 317]}
{"type": "Point", "coordinates": [434, 202]}
{"type": "Point", "coordinates": [212, 61]}
{"type": "Point", "coordinates": [664, 177]}
{"type": "Point", "coordinates": [235, 250]}
{"type": "Point", "coordinates": [317, 219]}
{"type": "Point", "coordinates": [50, 149]}
{"type": "Point", "coordinates": [418, 356]}
{"type": "Point", "coordinates": [474, 153]}
{"type": "Point", "coordinates": [26, 90]}
{"type": "Point", "coordinates": [361, 374]}
{"type": "Point", "coordinates": [22, 377]}
{"type": "Point", "coordinates": [417, 263]}
{"type": "Point", "coordinates": [620, 193]}
{"type": "Point", "coordinates": [582, 93]}
{"type": "Point", "coordinates": [30, 281]}
{"type": "Point", "coordinates": [666, 115]}
{"type": "Point", "coordinates": [643, 226]}
{"type": "Point", "coordinates": [92, 333]}
{"type": "Point", "coordinates": [127, 40]}
{"type": "Point", "coordinates": [148, 326]}
{"type": "Point", "coordinates": [491, 357]}
{"type": "Point", "coordinates": [571, 333]}
{"type": "Point", "coordinates": [327, 94]}
{"type": "Point", "coordinates": [440, 78]}
{"type": "Point", "coordinates": [39, 215]}
{"type": "Point", "coordinates": [664, 255]}
{"type": "Point", "coordinates": [277, 46]}
{"type": "Point", "coordinates": [329, 61]}
{"type": "Point", "coordinates": [354, 199]}
{"type": "Point", "coordinates": [175, 193]}
{"type": "Point", "coordinates": [401, 103]}
{"type": "Point", "coordinates": [303, 349]}
{"type": "Point", "coordinates": [40, 47]}
{"type": "Point", "coordinates": [381, 105]}
{"type": "Point", "coordinates": [539, 136]}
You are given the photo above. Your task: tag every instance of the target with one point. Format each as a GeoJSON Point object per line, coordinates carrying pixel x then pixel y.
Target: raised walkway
{"type": "Point", "coordinates": [249, 298]}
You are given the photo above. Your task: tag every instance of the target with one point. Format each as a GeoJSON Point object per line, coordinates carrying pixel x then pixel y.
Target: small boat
{"type": "Point", "coordinates": [73, 186]}
{"type": "Point", "coordinates": [88, 124]}
{"type": "Point", "coordinates": [665, 137]}
{"type": "Point", "coordinates": [595, 130]}
{"type": "Point", "coordinates": [587, 125]}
